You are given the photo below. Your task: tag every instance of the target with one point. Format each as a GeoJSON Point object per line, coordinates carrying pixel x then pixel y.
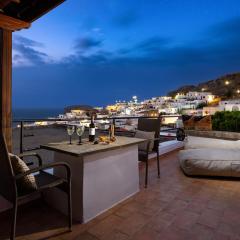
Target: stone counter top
{"type": "Point", "coordinates": [89, 148]}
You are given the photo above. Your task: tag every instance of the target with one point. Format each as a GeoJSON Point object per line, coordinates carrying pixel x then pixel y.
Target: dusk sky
{"type": "Point", "coordinates": [98, 51]}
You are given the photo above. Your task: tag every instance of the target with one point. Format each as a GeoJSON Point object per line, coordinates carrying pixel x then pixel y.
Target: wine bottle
{"type": "Point", "coordinates": [92, 130]}
{"type": "Point", "coordinates": [112, 132]}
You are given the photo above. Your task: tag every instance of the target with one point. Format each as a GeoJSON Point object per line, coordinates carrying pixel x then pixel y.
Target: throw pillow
{"type": "Point", "coordinates": [145, 135]}
{"type": "Point", "coordinates": [27, 183]}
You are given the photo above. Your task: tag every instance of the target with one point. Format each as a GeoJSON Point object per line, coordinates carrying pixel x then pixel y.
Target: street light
{"type": "Point", "coordinates": [227, 82]}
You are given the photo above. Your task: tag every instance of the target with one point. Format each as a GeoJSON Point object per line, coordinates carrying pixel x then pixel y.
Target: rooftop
{"type": "Point", "coordinates": [172, 207]}
{"type": "Point", "coordinates": [27, 10]}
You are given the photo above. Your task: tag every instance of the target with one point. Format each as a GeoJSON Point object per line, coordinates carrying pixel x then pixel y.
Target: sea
{"type": "Point", "coordinates": [35, 113]}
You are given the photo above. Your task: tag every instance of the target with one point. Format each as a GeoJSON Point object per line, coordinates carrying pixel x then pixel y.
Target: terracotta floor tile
{"type": "Point", "coordinates": [115, 235]}
{"type": "Point", "coordinates": [158, 225]}
{"type": "Point", "coordinates": [219, 236]}
{"type": "Point", "coordinates": [196, 207]}
{"type": "Point", "coordinates": [173, 233]}
{"type": "Point", "coordinates": [166, 216]}
{"type": "Point", "coordinates": [105, 226]}
{"type": "Point", "coordinates": [186, 220]}
{"type": "Point", "coordinates": [85, 236]}
{"type": "Point", "coordinates": [176, 207]}
{"type": "Point", "coordinates": [123, 213]}
{"type": "Point", "coordinates": [201, 232]}
{"type": "Point", "coordinates": [146, 233]}
{"type": "Point", "coordinates": [210, 218]}
{"type": "Point", "coordinates": [172, 207]}
{"type": "Point", "coordinates": [228, 230]}
{"type": "Point", "coordinates": [231, 217]}
{"type": "Point", "coordinates": [133, 223]}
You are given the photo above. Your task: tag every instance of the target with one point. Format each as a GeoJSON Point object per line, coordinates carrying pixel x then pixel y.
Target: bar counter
{"type": "Point", "coordinates": [103, 175]}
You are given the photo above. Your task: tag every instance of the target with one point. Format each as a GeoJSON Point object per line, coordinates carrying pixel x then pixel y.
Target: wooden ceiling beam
{"type": "Point", "coordinates": [4, 3]}
{"type": "Point", "coordinates": [13, 24]}
{"type": "Point", "coordinates": [6, 85]}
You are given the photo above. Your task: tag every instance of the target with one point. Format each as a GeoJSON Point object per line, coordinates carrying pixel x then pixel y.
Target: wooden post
{"type": "Point", "coordinates": [6, 85]}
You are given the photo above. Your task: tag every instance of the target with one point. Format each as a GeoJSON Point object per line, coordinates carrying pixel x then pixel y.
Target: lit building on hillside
{"type": "Point", "coordinates": [207, 96]}
{"type": "Point", "coordinates": [78, 111]}
{"type": "Point", "coordinates": [180, 96]}
{"type": "Point", "coordinates": [211, 110]}
{"type": "Point", "coordinates": [230, 105]}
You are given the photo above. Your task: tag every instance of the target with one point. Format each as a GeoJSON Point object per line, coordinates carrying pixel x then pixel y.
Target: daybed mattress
{"type": "Point", "coordinates": [210, 162]}
{"type": "Point", "coordinates": [200, 142]}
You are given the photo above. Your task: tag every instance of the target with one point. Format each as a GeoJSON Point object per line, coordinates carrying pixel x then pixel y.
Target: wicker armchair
{"type": "Point", "coordinates": [150, 125]}
{"type": "Point", "coordinates": [44, 180]}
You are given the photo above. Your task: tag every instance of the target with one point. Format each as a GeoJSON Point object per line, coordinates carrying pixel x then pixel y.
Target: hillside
{"type": "Point", "coordinates": [217, 87]}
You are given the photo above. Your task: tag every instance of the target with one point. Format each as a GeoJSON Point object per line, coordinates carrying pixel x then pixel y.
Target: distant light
{"type": "Point", "coordinates": [227, 82]}
{"type": "Point", "coordinates": [203, 89]}
{"type": "Point", "coordinates": [238, 91]}
{"type": "Point", "coordinates": [210, 98]}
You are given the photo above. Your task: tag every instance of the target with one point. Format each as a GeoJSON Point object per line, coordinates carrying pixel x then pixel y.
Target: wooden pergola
{"type": "Point", "coordinates": [15, 15]}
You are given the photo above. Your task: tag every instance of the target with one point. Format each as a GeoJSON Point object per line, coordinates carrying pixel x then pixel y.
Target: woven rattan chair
{"type": "Point", "coordinates": [150, 125]}
{"type": "Point", "coordinates": [44, 180]}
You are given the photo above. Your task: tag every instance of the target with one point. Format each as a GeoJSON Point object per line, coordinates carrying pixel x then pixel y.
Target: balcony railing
{"type": "Point", "coordinates": [168, 131]}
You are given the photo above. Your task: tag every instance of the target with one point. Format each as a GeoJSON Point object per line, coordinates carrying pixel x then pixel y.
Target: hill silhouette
{"type": "Point", "coordinates": [217, 87]}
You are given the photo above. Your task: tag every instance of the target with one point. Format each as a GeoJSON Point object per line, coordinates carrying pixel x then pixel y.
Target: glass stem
{"type": "Point", "coordinates": [80, 140]}
{"type": "Point", "coordinates": [70, 140]}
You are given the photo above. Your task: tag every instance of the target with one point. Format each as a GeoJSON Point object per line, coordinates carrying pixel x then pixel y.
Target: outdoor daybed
{"type": "Point", "coordinates": [210, 157]}
{"type": "Point", "coordinates": [201, 142]}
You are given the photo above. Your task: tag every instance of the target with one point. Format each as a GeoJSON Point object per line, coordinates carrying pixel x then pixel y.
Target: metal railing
{"type": "Point", "coordinates": [23, 122]}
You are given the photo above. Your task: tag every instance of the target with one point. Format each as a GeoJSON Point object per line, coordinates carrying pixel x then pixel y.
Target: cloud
{"type": "Point", "coordinates": [227, 29]}
{"type": "Point", "coordinates": [27, 41]}
{"type": "Point", "coordinates": [25, 52]}
{"type": "Point", "coordinates": [153, 43]}
{"type": "Point", "coordinates": [87, 43]}
{"type": "Point", "coordinates": [99, 57]}
{"type": "Point", "coordinates": [218, 46]}
{"type": "Point", "coordinates": [156, 49]}
{"type": "Point", "coordinates": [147, 46]}
{"type": "Point", "coordinates": [126, 19]}
{"type": "Point", "coordinates": [97, 30]}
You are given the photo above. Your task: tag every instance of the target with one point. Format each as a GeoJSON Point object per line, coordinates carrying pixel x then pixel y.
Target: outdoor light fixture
{"type": "Point", "coordinates": [227, 82]}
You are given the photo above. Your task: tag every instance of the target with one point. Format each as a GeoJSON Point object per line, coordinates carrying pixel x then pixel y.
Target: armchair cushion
{"type": "Point", "coordinates": [27, 183]}
{"type": "Point", "coordinates": [145, 135]}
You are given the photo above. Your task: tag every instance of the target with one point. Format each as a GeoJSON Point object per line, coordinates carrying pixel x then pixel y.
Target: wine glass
{"type": "Point", "coordinates": [80, 130]}
{"type": "Point", "coordinates": [70, 131]}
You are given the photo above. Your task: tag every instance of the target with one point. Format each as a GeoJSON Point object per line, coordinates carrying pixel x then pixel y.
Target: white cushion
{"type": "Point", "coordinates": [200, 142]}
{"type": "Point", "coordinates": [210, 162]}
{"type": "Point", "coordinates": [145, 135]}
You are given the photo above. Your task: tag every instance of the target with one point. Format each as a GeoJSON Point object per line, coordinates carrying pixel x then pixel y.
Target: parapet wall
{"type": "Point", "coordinates": [215, 134]}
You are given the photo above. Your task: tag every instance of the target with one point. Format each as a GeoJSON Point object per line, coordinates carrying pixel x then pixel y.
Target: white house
{"type": "Point", "coordinates": [205, 96]}
{"type": "Point", "coordinates": [230, 105]}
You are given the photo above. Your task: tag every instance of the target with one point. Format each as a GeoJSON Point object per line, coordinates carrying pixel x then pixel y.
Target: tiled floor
{"type": "Point", "coordinates": [173, 207]}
